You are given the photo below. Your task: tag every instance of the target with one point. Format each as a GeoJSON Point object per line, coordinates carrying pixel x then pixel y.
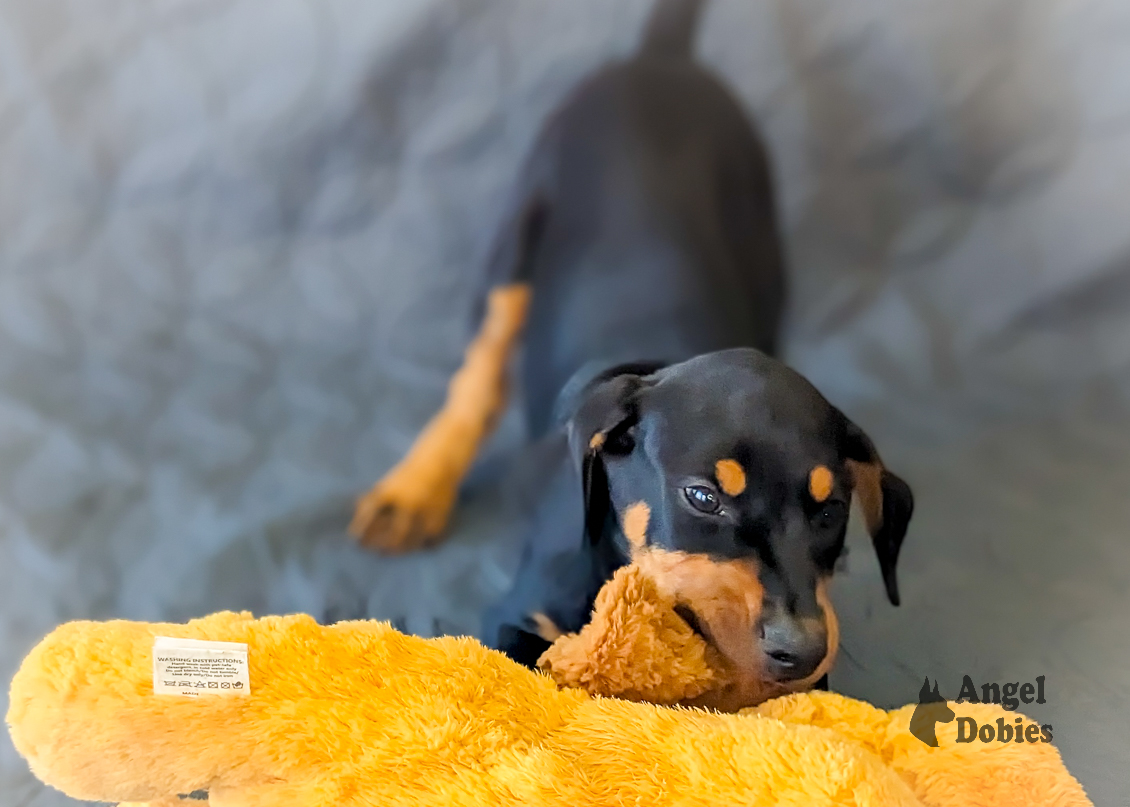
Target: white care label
{"type": "Point", "coordinates": [194, 668]}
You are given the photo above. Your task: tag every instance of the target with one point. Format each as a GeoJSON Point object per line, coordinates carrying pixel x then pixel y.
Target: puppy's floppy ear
{"type": "Point", "coordinates": [600, 424]}
{"type": "Point", "coordinates": [886, 500]}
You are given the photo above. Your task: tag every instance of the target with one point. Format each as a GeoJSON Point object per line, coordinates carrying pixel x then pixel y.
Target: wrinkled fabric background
{"type": "Point", "coordinates": [237, 241]}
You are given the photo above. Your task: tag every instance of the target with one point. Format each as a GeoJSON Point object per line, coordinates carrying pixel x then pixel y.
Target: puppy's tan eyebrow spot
{"type": "Point", "coordinates": [820, 483]}
{"type": "Point", "coordinates": [597, 441]}
{"type": "Point", "coordinates": [634, 522]}
{"type": "Point", "coordinates": [730, 476]}
{"type": "Point", "coordinates": [546, 627]}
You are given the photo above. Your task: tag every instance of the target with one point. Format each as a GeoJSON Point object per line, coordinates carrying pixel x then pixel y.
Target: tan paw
{"type": "Point", "coordinates": [408, 509]}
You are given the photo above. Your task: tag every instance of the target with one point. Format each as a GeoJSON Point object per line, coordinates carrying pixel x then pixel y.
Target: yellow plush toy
{"type": "Point", "coordinates": [359, 714]}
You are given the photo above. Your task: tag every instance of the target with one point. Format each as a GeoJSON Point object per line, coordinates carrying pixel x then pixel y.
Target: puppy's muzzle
{"type": "Point", "coordinates": [793, 646]}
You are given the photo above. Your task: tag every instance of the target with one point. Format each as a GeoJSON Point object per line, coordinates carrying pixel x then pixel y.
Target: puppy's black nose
{"type": "Point", "coordinates": [793, 647]}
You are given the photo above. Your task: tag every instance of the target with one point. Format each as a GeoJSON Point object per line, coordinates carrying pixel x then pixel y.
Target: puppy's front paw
{"type": "Point", "coordinates": [408, 509]}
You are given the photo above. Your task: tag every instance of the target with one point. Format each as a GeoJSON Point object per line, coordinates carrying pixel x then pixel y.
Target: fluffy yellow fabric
{"type": "Point", "coordinates": [636, 648]}
{"type": "Point", "coordinates": [359, 714]}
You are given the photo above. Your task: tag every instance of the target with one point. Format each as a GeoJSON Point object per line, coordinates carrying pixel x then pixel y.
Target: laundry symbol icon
{"type": "Point", "coordinates": [237, 685]}
{"type": "Point", "coordinates": [225, 685]}
{"type": "Point", "coordinates": [213, 685]}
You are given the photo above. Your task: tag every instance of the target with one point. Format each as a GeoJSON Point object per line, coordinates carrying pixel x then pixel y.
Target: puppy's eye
{"type": "Point", "coordinates": [703, 499]}
{"type": "Point", "coordinates": [831, 515]}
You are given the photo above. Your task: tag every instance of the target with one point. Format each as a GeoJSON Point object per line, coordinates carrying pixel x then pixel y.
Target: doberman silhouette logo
{"type": "Point", "coordinates": [931, 710]}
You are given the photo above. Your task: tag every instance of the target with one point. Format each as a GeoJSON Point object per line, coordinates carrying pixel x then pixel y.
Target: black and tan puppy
{"type": "Point", "coordinates": [642, 248]}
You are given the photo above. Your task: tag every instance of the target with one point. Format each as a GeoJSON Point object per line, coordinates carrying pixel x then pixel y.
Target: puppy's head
{"type": "Point", "coordinates": [728, 478]}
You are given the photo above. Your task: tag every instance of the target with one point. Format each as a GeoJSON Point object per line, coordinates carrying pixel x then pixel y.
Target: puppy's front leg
{"type": "Point", "coordinates": [409, 508]}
